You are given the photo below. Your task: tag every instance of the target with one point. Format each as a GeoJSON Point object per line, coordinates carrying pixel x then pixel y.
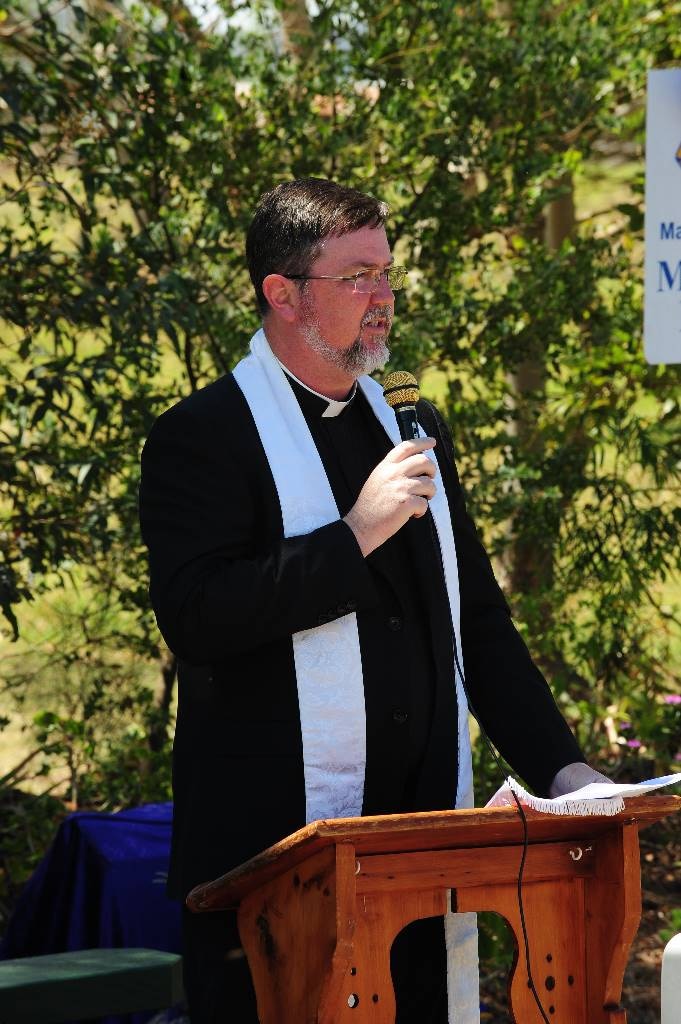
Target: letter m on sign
{"type": "Point", "coordinates": [666, 279]}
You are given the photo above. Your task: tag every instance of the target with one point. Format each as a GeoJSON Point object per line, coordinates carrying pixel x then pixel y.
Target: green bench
{"type": "Point", "coordinates": [89, 983]}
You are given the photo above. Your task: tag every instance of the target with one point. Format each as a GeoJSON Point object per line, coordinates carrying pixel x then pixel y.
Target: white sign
{"type": "Point", "coordinates": [662, 314]}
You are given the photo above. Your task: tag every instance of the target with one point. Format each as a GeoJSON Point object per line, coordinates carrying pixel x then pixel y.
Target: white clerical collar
{"type": "Point", "coordinates": [333, 408]}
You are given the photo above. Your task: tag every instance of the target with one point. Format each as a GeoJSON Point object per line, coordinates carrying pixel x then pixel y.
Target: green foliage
{"type": "Point", "coordinates": [496, 948]}
{"type": "Point", "coordinates": [27, 825]}
{"type": "Point", "coordinates": [675, 926]}
{"type": "Point", "coordinates": [135, 144]}
{"type": "Point", "coordinates": [107, 773]}
{"type": "Point", "coordinates": [80, 677]}
{"type": "Point", "coordinates": [95, 731]}
{"type": "Point", "coordinates": [106, 769]}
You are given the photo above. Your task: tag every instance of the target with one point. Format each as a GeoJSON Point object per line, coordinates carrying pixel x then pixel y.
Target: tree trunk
{"type": "Point", "coordinates": [295, 22]}
{"type": "Point", "coordinates": [531, 562]}
{"type": "Point", "coordinates": [159, 732]}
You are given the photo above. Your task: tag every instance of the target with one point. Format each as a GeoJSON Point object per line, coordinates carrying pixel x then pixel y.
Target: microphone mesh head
{"type": "Point", "coordinates": [400, 388]}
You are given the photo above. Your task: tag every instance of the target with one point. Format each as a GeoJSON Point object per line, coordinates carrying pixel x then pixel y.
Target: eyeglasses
{"type": "Point", "coordinates": [366, 281]}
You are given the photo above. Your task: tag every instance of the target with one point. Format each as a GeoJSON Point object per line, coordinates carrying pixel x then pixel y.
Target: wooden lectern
{"type": "Point", "coordinates": [318, 912]}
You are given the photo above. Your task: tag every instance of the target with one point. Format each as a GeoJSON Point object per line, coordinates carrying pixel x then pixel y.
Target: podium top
{"type": "Point", "coordinates": [426, 830]}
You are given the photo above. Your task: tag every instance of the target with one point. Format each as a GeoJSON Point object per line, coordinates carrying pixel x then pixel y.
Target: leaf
{"type": "Point", "coordinates": [634, 213]}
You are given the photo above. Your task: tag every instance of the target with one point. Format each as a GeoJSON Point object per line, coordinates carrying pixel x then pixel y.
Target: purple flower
{"type": "Point", "coordinates": [624, 726]}
{"type": "Point", "coordinates": [673, 698]}
{"type": "Point", "coordinates": [634, 744]}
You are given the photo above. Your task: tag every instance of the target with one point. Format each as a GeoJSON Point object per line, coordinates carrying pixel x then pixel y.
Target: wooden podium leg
{"type": "Point", "coordinates": [579, 930]}
{"type": "Point", "coordinates": [613, 913]}
{"type": "Point", "coordinates": [288, 929]}
{"type": "Point", "coordinates": [319, 954]}
{"type": "Point", "coordinates": [555, 925]}
{"type": "Point", "coordinates": [366, 995]}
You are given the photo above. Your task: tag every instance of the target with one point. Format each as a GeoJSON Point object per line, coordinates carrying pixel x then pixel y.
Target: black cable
{"type": "Point", "coordinates": [483, 733]}
{"type": "Point", "coordinates": [525, 836]}
{"type": "Point", "coordinates": [530, 980]}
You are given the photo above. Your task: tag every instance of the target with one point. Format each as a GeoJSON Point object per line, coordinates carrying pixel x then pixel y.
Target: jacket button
{"type": "Point", "coordinates": [394, 623]}
{"type": "Point", "coordinates": [400, 716]}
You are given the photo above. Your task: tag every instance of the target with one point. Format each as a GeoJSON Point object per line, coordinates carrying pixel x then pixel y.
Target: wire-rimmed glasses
{"type": "Point", "coordinates": [366, 281]}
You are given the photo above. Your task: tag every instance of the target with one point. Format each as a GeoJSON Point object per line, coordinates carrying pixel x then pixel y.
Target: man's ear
{"type": "Point", "coordinates": [282, 295]}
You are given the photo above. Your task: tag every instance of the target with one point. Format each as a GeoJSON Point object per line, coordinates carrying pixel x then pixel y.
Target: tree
{"type": "Point", "coordinates": [136, 144]}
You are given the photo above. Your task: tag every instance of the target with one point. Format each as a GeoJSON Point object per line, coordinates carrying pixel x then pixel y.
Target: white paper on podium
{"type": "Point", "coordinates": [596, 798]}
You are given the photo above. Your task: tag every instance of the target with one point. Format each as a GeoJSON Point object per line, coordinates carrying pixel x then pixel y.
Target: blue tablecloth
{"type": "Point", "coordinates": [100, 885]}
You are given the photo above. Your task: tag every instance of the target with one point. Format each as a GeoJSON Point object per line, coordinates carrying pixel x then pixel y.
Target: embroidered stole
{"type": "Point", "coordinates": [327, 658]}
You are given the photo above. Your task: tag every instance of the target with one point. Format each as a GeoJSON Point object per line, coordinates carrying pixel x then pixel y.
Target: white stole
{"type": "Point", "coordinates": [328, 658]}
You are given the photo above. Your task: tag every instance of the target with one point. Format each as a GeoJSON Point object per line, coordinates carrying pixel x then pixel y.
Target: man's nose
{"type": "Point", "coordinates": [384, 292]}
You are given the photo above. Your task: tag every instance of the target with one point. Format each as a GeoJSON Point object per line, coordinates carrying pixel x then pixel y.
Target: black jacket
{"type": "Point", "coordinates": [228, 591]}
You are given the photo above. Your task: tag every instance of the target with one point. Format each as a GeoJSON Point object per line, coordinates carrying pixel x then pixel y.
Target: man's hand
{"type": "Point", "coordinates": [574, 776]}
{"type": "Point", "coordinates": [397, 489]}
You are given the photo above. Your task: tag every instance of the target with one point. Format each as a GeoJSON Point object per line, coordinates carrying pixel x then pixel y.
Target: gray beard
{"type": "Point", "coordinates": [355, 360]}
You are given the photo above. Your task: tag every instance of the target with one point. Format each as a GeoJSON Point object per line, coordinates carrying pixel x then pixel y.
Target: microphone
{"type": "Point", "coordinates": [401, 392]}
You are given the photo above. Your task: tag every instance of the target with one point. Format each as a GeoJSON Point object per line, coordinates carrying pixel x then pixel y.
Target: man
{"type": "Point", "coordinates": [318, 582]}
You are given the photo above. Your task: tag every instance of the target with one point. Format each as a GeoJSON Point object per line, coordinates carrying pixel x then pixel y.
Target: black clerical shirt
{"type": "Point", "coordinates": [350, 444]}
{"type": "Point", "coordinates": [229, 591]}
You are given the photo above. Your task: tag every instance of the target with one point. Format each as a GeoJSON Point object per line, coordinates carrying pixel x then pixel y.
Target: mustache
{"type": "Point", "coordinates": [372, 316]}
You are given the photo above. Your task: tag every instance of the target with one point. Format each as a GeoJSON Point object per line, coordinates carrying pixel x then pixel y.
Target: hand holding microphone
{"type": "Point", "coordinates": [403, 482]}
